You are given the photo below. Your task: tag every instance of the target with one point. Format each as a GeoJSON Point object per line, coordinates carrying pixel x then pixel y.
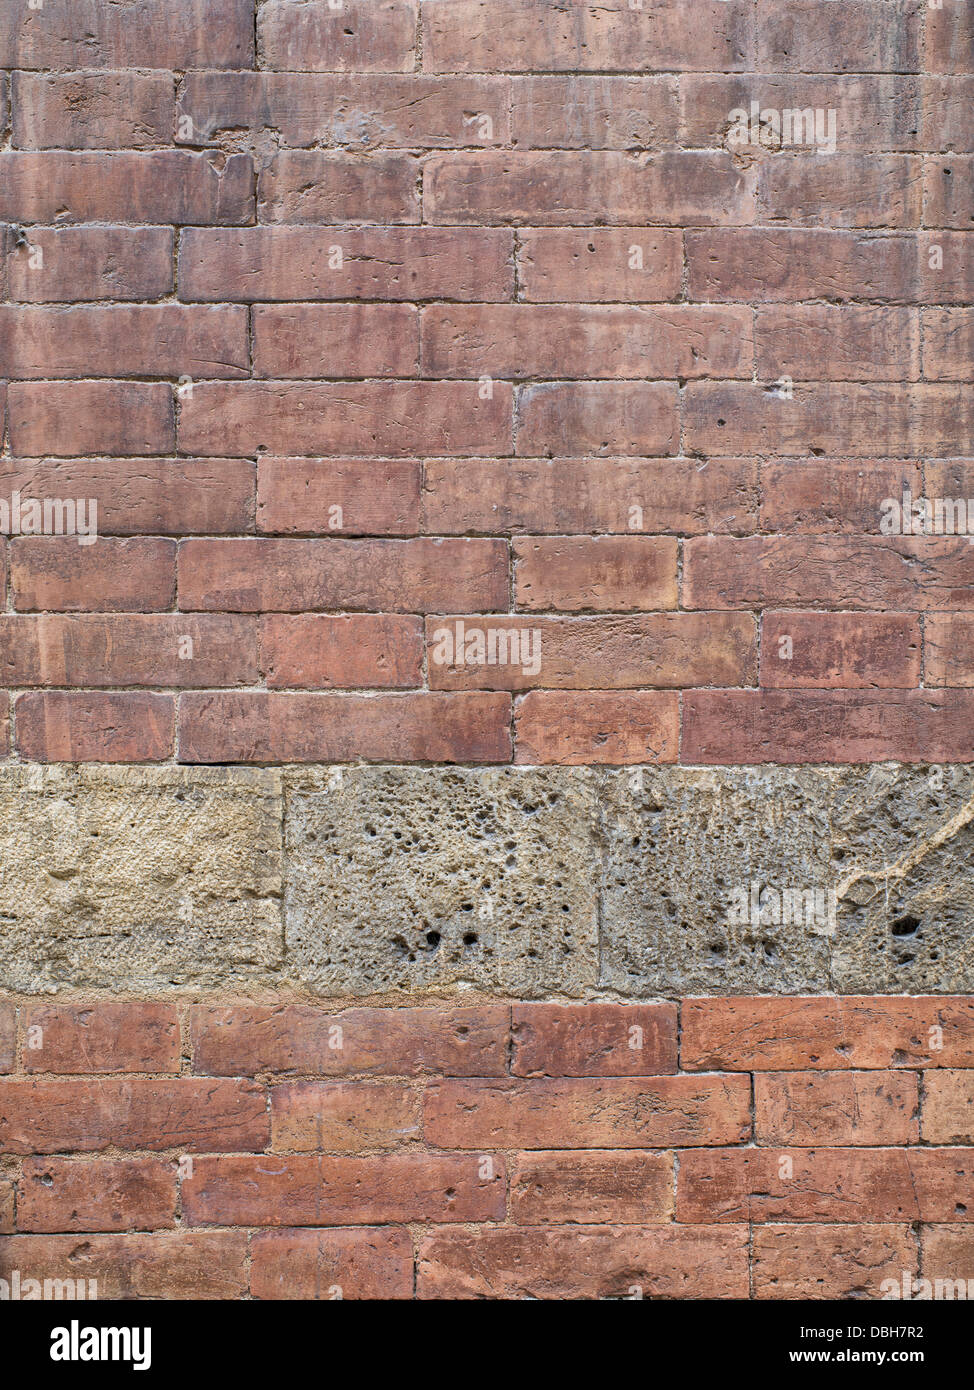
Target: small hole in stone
{"type": "Point", "coordinates": [905, 926]}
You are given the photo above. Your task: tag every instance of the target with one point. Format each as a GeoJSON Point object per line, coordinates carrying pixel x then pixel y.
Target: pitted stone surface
{"type": "Point", "coordinates": [404, 878]}
{"type": "Point", "coordinates": [678, 843]}
{"type": "Point", "coordinates": [138, 877]}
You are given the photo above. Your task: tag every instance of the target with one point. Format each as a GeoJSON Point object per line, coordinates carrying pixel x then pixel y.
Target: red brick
{"type": "Point", "coordinates": [244, 1039]}
{"type": "Point", "coordinates": [911, 420]}
{"type": "Point", "coordinates": [523, 35]}
{"type": "Point", "coordinates": [829, 495]}
{"type": "Point", "coordinates": [848, 1107]}
{"type": "Point", "coordinates": [871, 1185]}
{"type": "Point", "coordinates": [38, 1117]}
{"type": "Point", "coordinates": [597, 574]}
{"type": "Point", "coordinates": [805, 1262]}
{"type": "Point", "coordinates": [169, 1264]}
{"type": "Point", "coordinates": [312, 1191]}
{"type": "Point", "coordinates": [590, 1187]}
{"type": "Point", "coordinates": [565, 188]}
{"type": "Point", "coordinates": [354, 112]}
{"type": "Point", "coordinates": [157, 186]}
{"type": "Point", "coordinates": [841, 190]}
{"type": "Point", "coordinates": [569, 496]}
{"type": "Point", "coordinates": [399, 418]}
{"type": "Point", "coordinates": [848, 342]}
{"type": "Point", "coordinates": [748, 726]}
{"type": "Point", "coordinates": [850, 650]}
{"type": "Point", "coordinates": [851, 1032]}
{"type": "Point", "coordinates": [8, 1037]}
{"type": "Point", "coordinates": [948, 1107]}
{"type": "Point", "coordinates": [279, 728]}
{"type": "Point", "coordinates": [948, 649]}
{"type": "Point", "coordinates": [597, 727]}
{"type": "Point", "coordinates": [285, 263]}
{"type": "Point", "coordinates": [118, 576]}
{"type": "Point", "coordinates": [373, 496]}
{"type": "Point", "coordinates": [860, 36]}
{"type": "Point", "coordinates": [597, 417]}
{"type": "Point", "coordinates": [339, 1264]}
{"type": "Point", "coordinates": [856, 572]}
{"type": "Point", "coordinates": [90, 417]}
{"type": "Point", "coordinates": [297, 575]}
{"type": "Point", "coordinates": [75, 726]}
{"type": "Point", "coordinates": [772, 264]}
{"type": "Point", "coordinates": [594, 1039]}
{"type": "Point", "coordinates": [590, 1262]}
{"type": "Point", "coordinates": [7, 1207]}
{"type": "Point", "coordinates": [343, 1117]}
{"type": "Point", "coordinates": [600, 264]}
{"type": "Point", "coordinates": [948, 344]}
{"type": "Point", "coordinates": [113, 110]}
{"type": "Point", "coordinates": [143, 34]}
{"type": "Point", "coordinates": [549, 340]}
{"type": "Point", "coordinates": [85, 263]}
{"type": "Point", "coordinates": [663, 650]}
{"type": "Point", "coordinates": [947, 1253]}
{"type": "Point", "coordinates": [102, 1037]}
{"type": "Point", "coordinates": [124, 340]}
{"type": "Point", "coordinates": [336, 340]}
{"type": "Point", "coordinates": [105, 1195]}
{"type": "Point", "coordinates": [949, 39]}
{"type": "Point", "coordinates": [313, 186]}
{"type": "Point", "coordinates": [360, 37]}
{"type": "Point", "coordinates": [588, 1113]}
{"type": "Point", "coordinates": [947, 197]}
{"type": "Point", "coordinates": [605, 113]}
{"type": "Point", "coordinates": [318, 652]}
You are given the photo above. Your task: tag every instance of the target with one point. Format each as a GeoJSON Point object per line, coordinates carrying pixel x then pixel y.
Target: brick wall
{"type": "Point", "coordinates": [485, 382]}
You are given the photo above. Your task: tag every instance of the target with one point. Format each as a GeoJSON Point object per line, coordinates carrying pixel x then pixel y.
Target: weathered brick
{"type": "Point", "coordinates": [155, 186]}
{"type": "Point", "coordinates": [372, 496]}
{"type": "Point", "coordinates": [142, 34]}
{"type": "Point", "coordinates": [400, 418]}
{"type": "Point", "coordinates": [627, 1187]}
{"type": "Point", "coordinates": [948, 344]}
{"type": "Point", "coordinates": [86, 263]}
{"type": "Point", "coordinates": [588, 1113]}
{"type": "Point", "coordinates": [8, 1037]}
{"type": "Point", "coordinates": [90, 417]}
{"type": "Point", "coordinates": [600, 264]}
{"type": "Point", "coordinates": [112, 575]}
{"type": "Point", "coordinates": [343, 1117]}
{"type": "Point", "coordinates": [948, 200]}
{"type": "Point", "coordinates": [542, 340]}
{"type": "Point", "coordinates": [77, 726]}
{"type": "Point", "coordinates": [426, 727]}
{"type": "Point", "coordinates": [594, 1039]}
{"type": "Point", "coordinates": [244, 1039]}
{"type": "Point", "coordinates": [572, 496]}
{"type": "Point", "coordinates": [361, 36]}
{"type": "Point", "coordinates": [318, 651]}
{"type": "Point", "coordinates": [851, 342]}
{"type": "Point", "coordinates": [312, 1191]}
{"type": "Point", "coordinates": [396, 263]}
{"type": "Point", "coordinates": [848, 650]}
{"type": "Point", "coordinates": [946, 1252]}
{"type": "Point", "coordinates": [597, 727]}
{"type": "Point", "coordinates": [599, 574]}
{"type": "Point", "coordinates": [948, 1107]}
{"type": "Point", "coordinates": [854, 1032]}
{"type": "Point", "coordinates": [593, 112]}
{"type": "Point", "coordinates": [300, 575]}
{"type": "Point", "coordinates": [113, 110]}
{"type": "Point", "coordinates": [336, 340]}
{"type": "Point", "coordinates": [841, 190]}
{"type": "Point", "coordinates": [948, 649]}
{"type": "Point", "coordinates": [871, 1185]}
{"type": "Point", "coordinates": [57, 1194]}
{"type": "Point", "coordinates": [588, 1262]}
{"type": "Point", "coordinates": [313, 186]}
{"type": "Point", "coordinates": [828, 495]}
{"type": "Point", "coordinates": [107, 1036]}
{"type": "Point", "coordinates": [169, 1264]}
{"type": "Point", "coordinates": [861, 36]}
{"type": "Point", "coordinates": [842, 1108]}
{"type": "Point", "coordinates": [663, 650]}
{"type": "Point", "coordinates": [949, 39]}
{"type": "Point", "coordinates": [338, 1264]}
{"type": "Point", "coordinates": [805, 1262]}
{"type": "Point", "coordinates": [38, 1117]}
{"type": "Point", "coordinates": [597, 417]}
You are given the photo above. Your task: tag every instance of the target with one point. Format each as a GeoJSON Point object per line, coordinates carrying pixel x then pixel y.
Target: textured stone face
{"type": "Point", "coordinates": [411, 879]}
{"type": "Point", "coordinates": [138, 877]}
